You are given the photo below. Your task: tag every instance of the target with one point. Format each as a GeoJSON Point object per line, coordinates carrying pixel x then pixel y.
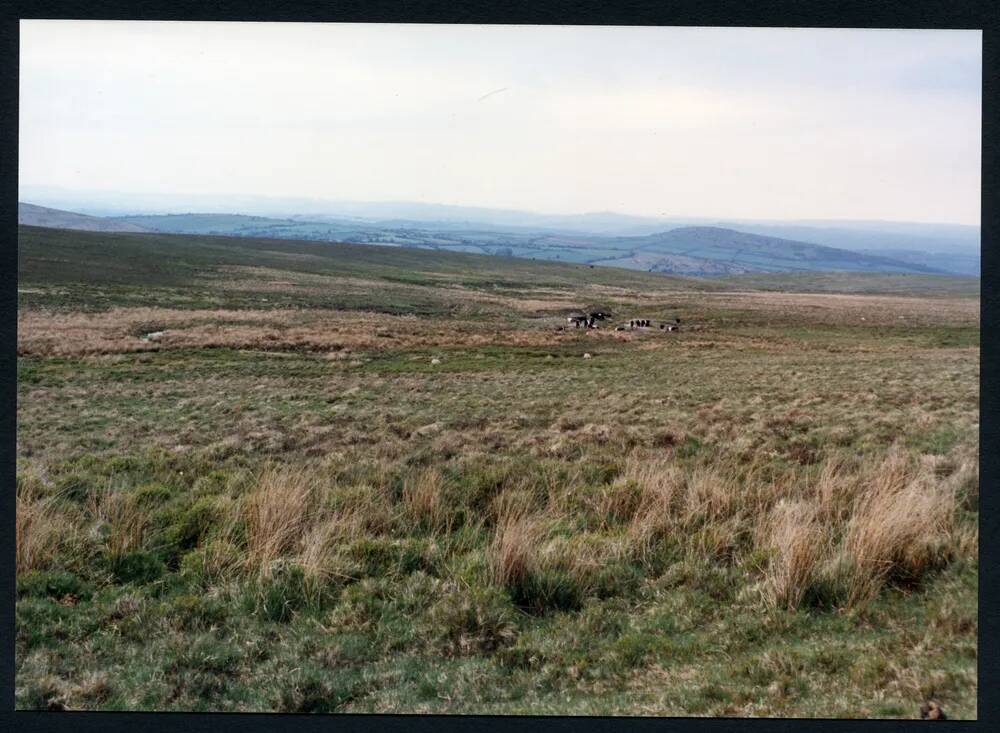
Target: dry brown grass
{"type": "Point", "coordinates": [837, 309]}
{"type": "Point", "coordinates": [43, 333]}
{"type": "Point", "coordinates": [516, 547]}
{"type": "Point", "coordinates": [798, 543]}
{"type": "Point", "coordinates": [425, 500]}
{"type": "Point", "coordinates": [125, 520]}
{"type": "Point", "coordinates": [277, 514]}
{"type": "Point", "coordinates": [858, 530]}
{"type": "Point", "coordinates": [901, 526]}
{"type": "Point", "coordinates": [661, 485]}
{"type": "Point", "coordinates": [38, 528]}
{"type": "Point", "coordinates": [319, 548]}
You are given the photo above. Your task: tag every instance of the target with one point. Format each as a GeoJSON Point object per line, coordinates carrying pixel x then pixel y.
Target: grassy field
{"type": "Point", "coordinates": [289, 476]}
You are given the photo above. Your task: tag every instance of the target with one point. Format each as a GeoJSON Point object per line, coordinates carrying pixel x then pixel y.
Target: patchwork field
{"type": "Point", "coordinates": [260, 475]}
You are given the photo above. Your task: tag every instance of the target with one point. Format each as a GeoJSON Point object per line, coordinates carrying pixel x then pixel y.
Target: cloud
{"type": "Point", "coordinates": [729, 122]}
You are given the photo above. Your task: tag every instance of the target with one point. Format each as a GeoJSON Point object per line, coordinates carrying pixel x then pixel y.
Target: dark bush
{"type": "Point", "coordinates": [198, 612]}
{"type": "Point", "coordinates": [52, 584]}
{"type": "Point", "coordinates": [139, 566]}
{"type": "Point", "coordinates": [472, 620]}
{"type": "Point", "coordinates": [542, 591]}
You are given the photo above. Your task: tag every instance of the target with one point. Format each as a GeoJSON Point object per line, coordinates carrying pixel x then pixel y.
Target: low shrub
{"type": "Point", "coordinates": [139, 566]}
{"type": "Point", "coordinates": [284, 591]}
{"type": "Point", "coordinates": [191, 612]}
{"type": "Point", "coordinates": [215, 562]}
{"type": "Point", "coordinates": [51, 584]}
{"type": "Point", "coordinates": [543, 590]}
{"type": "Point", "coordinates": [472, 620]}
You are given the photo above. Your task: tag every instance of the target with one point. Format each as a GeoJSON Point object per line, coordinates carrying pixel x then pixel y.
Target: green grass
{"type": "Point", "coordinates": [413, 467]}
{"type": "Point", "coordinates": [860, 282]}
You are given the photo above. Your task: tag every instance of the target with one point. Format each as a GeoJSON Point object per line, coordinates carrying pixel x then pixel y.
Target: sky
{"type": "Point", "coordinates": [762, 123]}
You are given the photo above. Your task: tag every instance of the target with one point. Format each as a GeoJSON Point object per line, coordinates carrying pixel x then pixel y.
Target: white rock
{"type": "Point", "coordinates": [435, 360]}
{"type": "Point", "coordinates": [586, 356]}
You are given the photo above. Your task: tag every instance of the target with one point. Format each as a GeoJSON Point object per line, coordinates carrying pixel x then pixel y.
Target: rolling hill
{"type": "Point", "coordinates": [715, 250]}
{"type": "Point", "coordinates": [693, 250]}
{"type": "Point", "coordinates": [42, 216]}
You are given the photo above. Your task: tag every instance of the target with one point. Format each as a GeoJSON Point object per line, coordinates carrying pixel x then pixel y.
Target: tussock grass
{"type": "Point", "coordinates": [123, 516]}
{"type": "Point", "coordinates": [276, 514]}
{"type": "Point", "coordinates": [901, 527]}
{"type": "Point", "coordinates": [39, 527]}
{"type": "Point", "coordinates": [516, 547]}
{"type": "Point", "coordinates": [425, 500]}
{"type": "Point", "coordinates": [796, 538]}
{"type": "Point", "coordinates": [891, 521]}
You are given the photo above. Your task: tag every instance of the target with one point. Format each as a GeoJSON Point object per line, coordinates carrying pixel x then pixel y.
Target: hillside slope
{"type": "Point", "coordinates": [698, 251]}
{"type": "Point", "coordinates": [41, 216]}
{"type": "Point", "coordinates": [192, 271]}
{"type": "Point", "coordinates": [740, 252]}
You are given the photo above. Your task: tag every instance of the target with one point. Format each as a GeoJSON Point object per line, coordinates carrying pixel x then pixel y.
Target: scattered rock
{"type": "Point", "coordinates": [586, 356]}
{"type": "Point", "coordinates": [435, 360]}
{"type": "Point", "coordinates": [152, 336]}
{"type": "Point", "coordinates": [930, 710]}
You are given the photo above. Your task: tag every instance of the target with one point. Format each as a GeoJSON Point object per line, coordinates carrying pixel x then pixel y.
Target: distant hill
{"type": "Point", "coordinates": [842, 234]}
{"type": "Point", "coordinates": [701, 251]}
{"type": "Point", "coordinates": [720, 251]}
{"type": "Point", "coordinates": [958, 263]}
{"type": "Point", "coordinates": [42, 216]}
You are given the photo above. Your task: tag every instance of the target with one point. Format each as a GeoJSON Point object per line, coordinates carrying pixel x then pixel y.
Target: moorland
{"type": "Point", "coordinates": [267, 475]}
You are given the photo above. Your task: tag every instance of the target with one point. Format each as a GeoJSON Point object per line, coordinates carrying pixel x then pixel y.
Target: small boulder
{"type": "Point", "coordinates": [930, 710]}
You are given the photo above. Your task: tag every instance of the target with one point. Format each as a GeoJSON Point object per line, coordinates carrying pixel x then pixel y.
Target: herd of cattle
{"type": "Point", "coordinates": [589, 320]}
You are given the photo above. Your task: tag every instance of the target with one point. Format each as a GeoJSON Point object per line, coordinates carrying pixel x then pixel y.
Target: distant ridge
{"type": "Point", "coordinates": [41, 216]}
{"type": "Point", "coordinates": [701, 251]}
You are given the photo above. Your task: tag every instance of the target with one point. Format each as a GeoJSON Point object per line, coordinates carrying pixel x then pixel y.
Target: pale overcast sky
{"type": "Point", "coordinates": [737, 123]}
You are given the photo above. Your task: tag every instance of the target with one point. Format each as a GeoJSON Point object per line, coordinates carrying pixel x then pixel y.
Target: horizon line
{"type": "Point", "coordinates": [485, 207]}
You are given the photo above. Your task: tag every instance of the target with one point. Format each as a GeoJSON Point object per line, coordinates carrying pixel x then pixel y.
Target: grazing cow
{"type": "Point", "coordinates": [662, 326]}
